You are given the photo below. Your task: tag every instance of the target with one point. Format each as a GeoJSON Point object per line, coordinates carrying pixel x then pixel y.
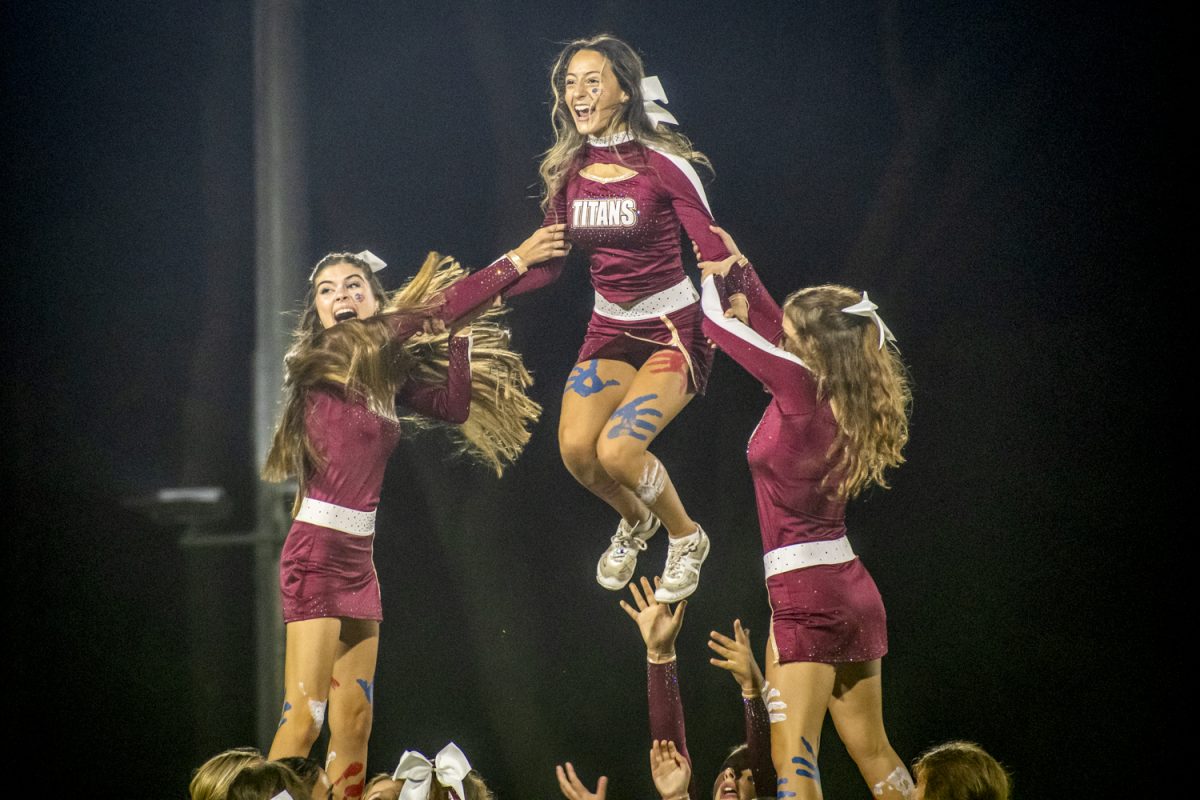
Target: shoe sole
{"type": "Point", "coordinates": [608, 583]}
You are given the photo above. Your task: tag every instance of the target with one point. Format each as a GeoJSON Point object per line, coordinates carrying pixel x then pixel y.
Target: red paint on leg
{"type": "Point", "coordinates": [353, 788]}
{"type": "Point", "coordinates": [670, 361]}
{"type": "Point", "coordinates": [333, 682]}
{"type": "Point", "coordinates": [355, 768]}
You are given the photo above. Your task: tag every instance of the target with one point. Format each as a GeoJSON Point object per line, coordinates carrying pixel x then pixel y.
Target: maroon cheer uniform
{"type": "Point", "coordinates": [326, 571]}
{"type": "Point", "coordinates": [630, 228]}
{"type": "Point", "coordinates": [828, 612]}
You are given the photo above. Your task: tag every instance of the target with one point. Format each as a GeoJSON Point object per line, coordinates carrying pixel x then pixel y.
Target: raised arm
{"type": "Point", "coordinates": [761, 312]}
{"type": "Point", "coordinates": [784, 375]}
{"type": "Point", "coordinates": [460, 301]}
{"type": "Point", "coordinates": [737, 657]}
{"type": "Point", "coordinates": [450, 401]}
{"type": "Point", "coordinates": [765, 316]}
{"type": "Point", "coordinates": [659, 626]}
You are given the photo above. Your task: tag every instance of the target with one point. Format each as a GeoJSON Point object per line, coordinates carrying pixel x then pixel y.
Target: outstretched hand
{"type": "Point", "coordinates": [573, 788]}
{"type": "Point", "coordinates": [547, 242]}
{"type": "Point", "coordinates": [671, 771]}
{"type": "Point", "coordinates": [658, 624]}
{"type": "Point", "coordinates": [737, 658]}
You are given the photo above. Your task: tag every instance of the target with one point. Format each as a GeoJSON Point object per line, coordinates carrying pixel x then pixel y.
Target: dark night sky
{"type": "Point", "coordinates": [990, 172]}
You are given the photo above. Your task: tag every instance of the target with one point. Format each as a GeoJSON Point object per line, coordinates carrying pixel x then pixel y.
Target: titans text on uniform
{"type": "Point", "coordinates": [604, 212]}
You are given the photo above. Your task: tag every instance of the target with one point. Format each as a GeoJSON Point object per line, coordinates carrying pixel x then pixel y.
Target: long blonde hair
{"type": "Point", "coordinates": [627, 66]}
{"type": "Point", "coordinates": [867, 386]}
{"type": "Point", "coordinates": [363, 358]}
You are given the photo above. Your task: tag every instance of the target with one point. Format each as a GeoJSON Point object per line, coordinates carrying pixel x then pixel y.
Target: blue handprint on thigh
{"type": "Point", "coordinates": [630, 419]}
{"type": "Point", "coordinates": [585, 380]}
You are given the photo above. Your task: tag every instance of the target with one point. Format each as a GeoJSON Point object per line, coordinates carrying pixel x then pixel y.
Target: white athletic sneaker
{"type": "Point", "coordinates": [618, 562]}
{"type": "Point", "coordinates": [681, 576]}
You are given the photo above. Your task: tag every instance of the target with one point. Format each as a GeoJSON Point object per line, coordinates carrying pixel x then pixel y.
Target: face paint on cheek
{"type": "Point", "coordinates": [358, 298]}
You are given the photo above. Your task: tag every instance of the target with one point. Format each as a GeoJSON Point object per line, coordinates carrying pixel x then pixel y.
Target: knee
{"type": "Point", "coordinates": [351, 720]}
{"type": "Point", "coordinates": [578, 451]}
{"type": "Point", "coordinates": [301, 724]}
{"type": "Point", "coordinates": [622, 458]}
{"type": "Point", "coordinates": [865, 747]}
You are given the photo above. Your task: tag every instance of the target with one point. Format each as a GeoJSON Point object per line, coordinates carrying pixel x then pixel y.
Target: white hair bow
{"type": "Point", "coordinates": [373, 261]}
{"type": "Point", "coordinates": [284, 795]}
{"type": "Point", "coordinates": [652, 94]}
{"type": "Point", "coordinates": [865, 308]}
{"type": "Point", "coordinates": [450, 765]}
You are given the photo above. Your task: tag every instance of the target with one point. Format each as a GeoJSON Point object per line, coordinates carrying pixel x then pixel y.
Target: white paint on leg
{"type": "Point", "coordinates": [776, 708]}
{"type": "Point", "coordinates": [652, 482]}
{"type": "Point", "coordinates": [317, 709]}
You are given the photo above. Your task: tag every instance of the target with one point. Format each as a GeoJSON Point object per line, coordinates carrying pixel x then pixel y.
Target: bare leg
{"type": "Point", "coordinates": [593, 391]}
{"type": "Point", "coordinates": [857, 711]}
{"type": "Point", "coordinates": [308, 664]}
{"type": "Point", "coordinates": [656, 395]}
{"type": "Point", "coordinates": [351, 697]}
{"type": "Point", "coordinates": [805, 689]}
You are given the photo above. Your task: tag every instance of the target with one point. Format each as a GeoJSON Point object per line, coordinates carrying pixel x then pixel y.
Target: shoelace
{"type": "Point", "coordinates": [675, 556]}
{"type": "Point", "coordinates": [626, 542]}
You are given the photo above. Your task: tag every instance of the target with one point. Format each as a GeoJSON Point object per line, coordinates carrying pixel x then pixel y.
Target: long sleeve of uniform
{"type": "Point", "coordinates": [450, 401]}
{"type": "Point", "coordinates": [765, 316]}
{"type": "Point", "coordinates": [547, 272]}
{"type": "Point", "coordinates": [758, 741]}
{"type": "Point", "coordinates": [679, 181]}
{"type": "Point", "coordinates": [666, 711]}
{"type": "Point", "coordinates": [784, 375]}
{"type": "Point", "coordinates": [461, 299]}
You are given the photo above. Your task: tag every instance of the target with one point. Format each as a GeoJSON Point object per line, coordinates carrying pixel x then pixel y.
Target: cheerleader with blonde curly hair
{"type": "Point", "coordinates": [838, 418]}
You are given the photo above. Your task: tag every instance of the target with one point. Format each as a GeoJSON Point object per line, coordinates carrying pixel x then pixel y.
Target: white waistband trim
{"type": "Point", "coordinates": [808, 554]}
{"type": "Point", "coordinates": [681, 295]}
{"type": "Point", "coordinates": [340, 518]}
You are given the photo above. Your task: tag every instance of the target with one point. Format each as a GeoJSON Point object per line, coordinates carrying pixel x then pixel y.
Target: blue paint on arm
{"type": "Point", "coordinates": [629, 419]}
{"type": "Point", "coordinates": [585, 380]}
{"type": "Point", "coordinates": [808, 746]}
{"type": "Point", "coordinates": [368, 689]}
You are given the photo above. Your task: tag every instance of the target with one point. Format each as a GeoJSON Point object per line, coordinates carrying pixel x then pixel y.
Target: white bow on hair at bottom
{"type": "Point", "coordinates": [450, 766]}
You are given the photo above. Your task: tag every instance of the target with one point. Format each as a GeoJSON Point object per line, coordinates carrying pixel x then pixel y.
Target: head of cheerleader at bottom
{"type": "Point", "coordinates": [735, 781]}
{"type": "Point", "coordinates": [960, 771]}
{"type": "Point", "coordinates": [446, 776]}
